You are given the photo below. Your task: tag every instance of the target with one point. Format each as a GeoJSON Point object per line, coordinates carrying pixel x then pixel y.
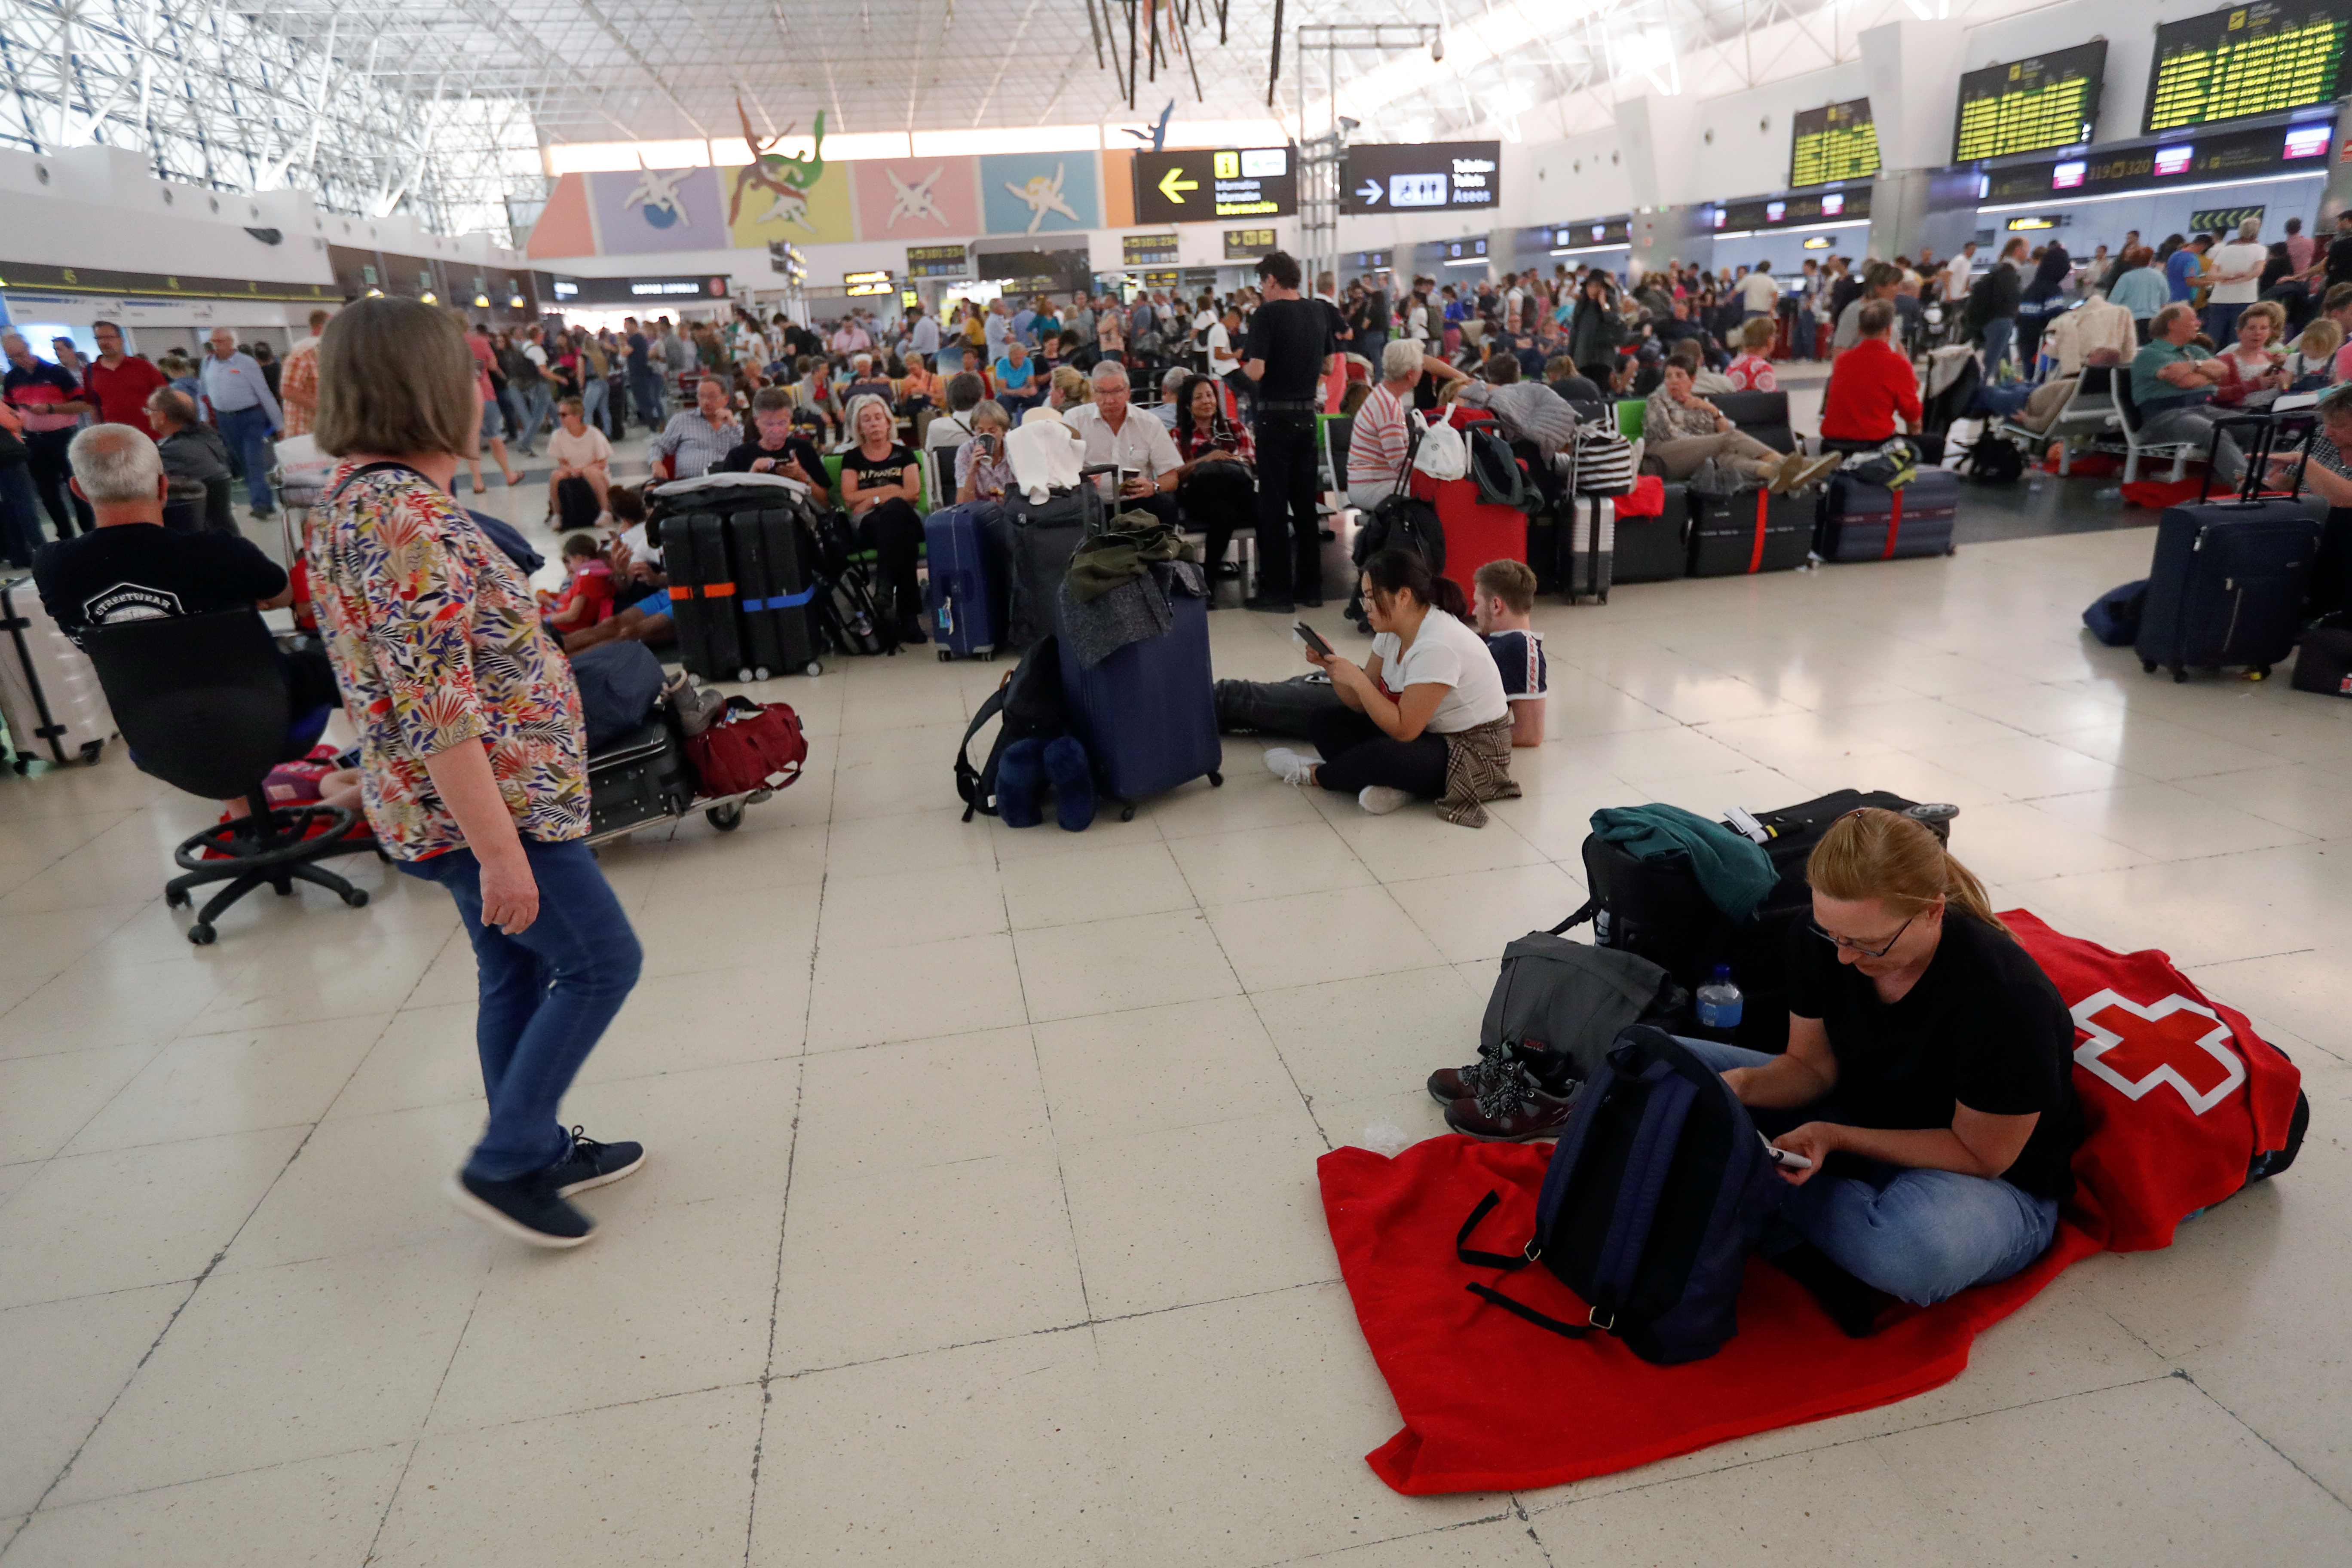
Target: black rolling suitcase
{"type": "Point", "coordinates": [1654, 549]}
{"type": "Point", "coordinates": [1863, 522]}
{"type": "Point", "coordinates": [1749, 531]}
{"type": "Point", "coordinates": [2229, 579]}
{"type": "Point", "coordinates": [639, 779]}
{"type": "Point", "coordinates": [776, 591]}
{"type": "Point", "coordinates": [703, 592]}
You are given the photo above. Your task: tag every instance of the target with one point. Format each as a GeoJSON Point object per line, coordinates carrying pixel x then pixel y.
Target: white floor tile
{"type": "Point", "coordinates": [1139, 961]}
{"type": "Point", "coordinates": [1306, 937]}
{"type": "Point", "coordinates": [313, 1510]}
{"type": "Point", "coordinates": [62, 1363]}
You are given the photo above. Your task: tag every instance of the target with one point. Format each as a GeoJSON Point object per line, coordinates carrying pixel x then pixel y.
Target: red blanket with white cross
{"type": "Point", "coordinates": [2179, 1095]}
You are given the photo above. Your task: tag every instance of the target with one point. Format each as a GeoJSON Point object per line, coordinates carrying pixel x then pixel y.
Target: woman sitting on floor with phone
{"type": "Point", "coordinates": [1425, 716]}
{"type": "Point", "coordinates": [1927, 1088]}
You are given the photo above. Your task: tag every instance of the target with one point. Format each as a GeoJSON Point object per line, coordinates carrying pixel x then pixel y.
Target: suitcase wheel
{"type": "Point", "coordinates": [1127, 813]}
{"type": "Point", "coordinates": [812, 667]}
{"type": "Point", "coordinates": [945, 656]}
{"type": "Point", "coordinates": [175, 900]}
{"type": "Point", "coordinates": [2260, 672]}
{"type": "Point", "coordinates": [90, 750]}
{"type": "Point", "coordinates": [726, 818]}
{"type": "Point", "coordinates": [987, 656]}
{"type": "Point", "coordinates": [2147, 667]}
{"type": "Point", "coordinates": [356, 899]}
{"type": "Point", "coordinates": [2179, 675]}
{"type": "Point", "coordinates": [202, 934]}
{"type": "Point", "coordinates": [1216, 779]}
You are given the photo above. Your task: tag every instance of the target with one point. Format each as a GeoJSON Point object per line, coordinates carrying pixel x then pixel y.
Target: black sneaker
{"type": "Point", "coordinates": [527, 1209]}
{"type": "Point", "coordinates": [1269, 605]}
{"type": "Point", "coordinates": [592, 1164]}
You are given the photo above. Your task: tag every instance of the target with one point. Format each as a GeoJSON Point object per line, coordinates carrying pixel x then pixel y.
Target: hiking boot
{"type": "Point", "coordinates": [593, 1164]}
{"type": "Point", "coordinates": [1515, 1107]}
{"type": "Point", "coordinates": [528, 1209]}
{"type": "Point", "coordinates": [1553, 1070]}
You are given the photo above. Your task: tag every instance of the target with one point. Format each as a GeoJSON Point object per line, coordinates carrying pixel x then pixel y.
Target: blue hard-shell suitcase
{"type": "Point", "coordinates": [1148, 713]}
{"type": "Point", "coordinates": [965, 595]}
{"type": "Point", "coordinates": [1861, 521]}
{"type": "Point", "coordinates": [2229, 579]}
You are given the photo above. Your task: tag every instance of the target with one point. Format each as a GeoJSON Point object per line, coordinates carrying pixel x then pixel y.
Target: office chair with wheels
{"type": "Point", "coordinates": [201, 701]}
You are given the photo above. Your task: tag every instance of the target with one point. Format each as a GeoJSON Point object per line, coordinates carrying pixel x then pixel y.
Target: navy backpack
{"type": "Point", "coordinates": [1657, 1194]}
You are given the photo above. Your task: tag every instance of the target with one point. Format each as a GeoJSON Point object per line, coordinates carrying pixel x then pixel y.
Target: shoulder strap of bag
{"type": "Point", "coordinates": [362, 471]}
{"type": "Point", "coordinates": [971, 783]}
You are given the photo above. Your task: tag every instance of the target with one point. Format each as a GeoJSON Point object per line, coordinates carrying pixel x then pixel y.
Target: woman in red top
{"type": "Point", "coordinates": [2252, 377]}
{"type": "Point", "coordinates": [486, 359]}
{"type": "Point", "coordinates": [1217, 487]}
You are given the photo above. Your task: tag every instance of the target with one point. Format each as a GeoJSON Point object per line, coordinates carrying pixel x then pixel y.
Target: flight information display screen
{"type": "Point", "coordinates": [2024, 106]}
{"type": "Point", "coordinates": [1836, 142]}
{"type": "Point", "coordinates": [2247, 59]}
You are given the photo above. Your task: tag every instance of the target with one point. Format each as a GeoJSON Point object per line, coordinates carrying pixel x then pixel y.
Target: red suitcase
{"type": "Point", "coordinates": [1476, 532]}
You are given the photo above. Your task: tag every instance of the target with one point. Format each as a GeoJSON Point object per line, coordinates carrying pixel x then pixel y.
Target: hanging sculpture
{"type": "Point", "coordinates": [1156, 34]}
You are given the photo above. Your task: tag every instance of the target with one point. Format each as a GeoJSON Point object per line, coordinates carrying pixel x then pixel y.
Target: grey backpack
{"type": "Point", "coordinates": [1574, 998]}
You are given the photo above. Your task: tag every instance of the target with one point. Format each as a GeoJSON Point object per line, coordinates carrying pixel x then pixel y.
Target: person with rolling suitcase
{"type": "Point", "coordinates": [2229, 579]}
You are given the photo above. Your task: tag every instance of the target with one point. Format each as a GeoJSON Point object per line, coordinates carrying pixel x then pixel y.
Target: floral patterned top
{"type": "Point", "coordinates": [435, 640]}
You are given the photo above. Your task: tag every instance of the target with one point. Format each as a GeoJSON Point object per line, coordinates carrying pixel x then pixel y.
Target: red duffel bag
{"type": "Point", "coordinates": [747, 747]}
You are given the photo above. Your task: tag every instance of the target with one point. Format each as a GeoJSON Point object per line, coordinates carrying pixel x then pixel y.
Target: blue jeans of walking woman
{"type": "Point", "coordinates": [546, 996]}
{"type": "Point", "coordinates": [1919, 1236]}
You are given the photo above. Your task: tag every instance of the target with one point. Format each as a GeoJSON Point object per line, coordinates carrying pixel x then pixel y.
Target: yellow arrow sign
{"type": "Point", "coordinates": [1170, 185]}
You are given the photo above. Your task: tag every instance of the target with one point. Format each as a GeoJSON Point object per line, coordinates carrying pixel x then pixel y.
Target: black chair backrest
{"type": "Point", "coordinates": [200, 698]}
{"type": "Point", "coordinates": [1763, 415]}
{"type": "Point", "coordinates": [1339, 432]}
{"type": "Point", "coordinates": [2125, 403]}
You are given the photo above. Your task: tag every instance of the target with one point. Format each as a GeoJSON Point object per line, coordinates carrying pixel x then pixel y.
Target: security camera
{"type": "Point", "coordinates": [1437, 49]}
{"type": "Point", "coordinates": [1348, 124]}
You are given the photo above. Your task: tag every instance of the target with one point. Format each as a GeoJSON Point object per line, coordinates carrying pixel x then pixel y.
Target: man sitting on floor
{"type": "Point", "coordinates": [133, 568]}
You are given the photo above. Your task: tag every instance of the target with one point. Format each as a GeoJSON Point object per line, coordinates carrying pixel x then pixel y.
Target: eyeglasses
{"type": "Point", "coordinates": [1847, 944]}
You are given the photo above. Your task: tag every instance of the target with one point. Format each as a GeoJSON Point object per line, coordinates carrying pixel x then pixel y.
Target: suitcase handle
{"type": "Point", "coordinates": [2267, 428]}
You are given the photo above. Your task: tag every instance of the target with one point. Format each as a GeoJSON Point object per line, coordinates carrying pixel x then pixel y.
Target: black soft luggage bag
{"type": "Point", "coordinates": [575, 505]}
{"type": "Point", "coordinates": [2229, 579]}
{"type": "Point", "coordinates": [1039, 538]}
{"type": "Point", "coordinates": [1749, 531]}
{"type": "Point", "coordinates": [1863, 522]}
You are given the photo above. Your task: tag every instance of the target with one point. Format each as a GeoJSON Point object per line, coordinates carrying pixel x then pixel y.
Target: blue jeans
{"type": "Point", "coordinates": [20, 515]}
{"type": "Point", "coordinates": [647, 384]}
{"type": "Point", "coordinates": [1919, 1236]}
{"type": "Point", "coordinates": [593, 392]}
{"type": "Point", "coordinates": [247, 431]}
{"type": "Point", "coordinates": [546, 996]}
{"type": "Point", "coordinates": [538, 402]}
{"type": "Point", "coordinates": [2221, 322]}
{"type": "Point", "coordinates": [1998, 334]}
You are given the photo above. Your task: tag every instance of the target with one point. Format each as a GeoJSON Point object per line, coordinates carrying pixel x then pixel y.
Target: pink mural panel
{"type": "Point", "coordinates": [917, 200]}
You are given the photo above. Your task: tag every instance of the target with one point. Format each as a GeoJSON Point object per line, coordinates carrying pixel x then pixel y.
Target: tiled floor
{"type": "Point", "coordinates": [981, 1223]}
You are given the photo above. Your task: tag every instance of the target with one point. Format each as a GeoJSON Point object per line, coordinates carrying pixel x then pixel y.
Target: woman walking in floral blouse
{"type": "Point", "coordinates": [471, 750]}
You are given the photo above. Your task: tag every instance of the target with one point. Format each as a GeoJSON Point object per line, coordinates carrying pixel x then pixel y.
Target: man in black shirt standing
{"type": "Point", "coordinates": [2339, 253]}
{"type": "Point", "coordinates": [1290, 348]}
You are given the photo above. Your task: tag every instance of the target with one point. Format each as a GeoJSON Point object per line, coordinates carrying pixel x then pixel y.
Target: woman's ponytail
{"type": "Point", "coordinates": [1873, 853]}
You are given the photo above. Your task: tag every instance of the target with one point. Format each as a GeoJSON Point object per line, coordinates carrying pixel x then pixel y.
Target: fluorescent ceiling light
{"type": "Point", "coordinates": [1011, 139]}
{"type": "Point", "coordinates": [1792, 228]}
{"type": "Point", "coordinates": [2046, 203]}
{"type": "Point", "coordinates": [1592, 249]}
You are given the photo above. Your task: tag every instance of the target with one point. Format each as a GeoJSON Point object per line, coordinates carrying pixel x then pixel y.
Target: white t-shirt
{"type": "Point", "coordinates": [639, 547]}
{"type": "Point", "coordinates": [536, 354]}
{"type": "Point", "coordinates": [1759, 292]}
{"type": "Point", "coordinates": [569, 451]}
{"type": "Point", "coordinates": [2239, 256]}
{"type": "Point", "coordinates": [1956, 276]}
{"type": "Point", "coordinates": [1221, 350]}
{"type": "Point", "coordinates": [1446, 653]}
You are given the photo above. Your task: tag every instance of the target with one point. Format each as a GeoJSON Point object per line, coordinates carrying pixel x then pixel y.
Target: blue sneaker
{"type": "Point", "coordinates": [1020, 783]}
{"type": "Point", "coordinates": [593, 1164]}
{"type": "Point", "coordinates": [1073, 782]}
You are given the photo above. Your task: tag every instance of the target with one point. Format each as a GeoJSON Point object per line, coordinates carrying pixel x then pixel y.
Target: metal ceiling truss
{"type": "Point", "coordinates": [439, 107]}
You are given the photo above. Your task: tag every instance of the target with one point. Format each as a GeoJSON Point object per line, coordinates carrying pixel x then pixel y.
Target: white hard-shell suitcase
{"type": "Point", "coordinates": [50, 695]}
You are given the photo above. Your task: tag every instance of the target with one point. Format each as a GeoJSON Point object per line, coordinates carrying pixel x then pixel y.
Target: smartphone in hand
{"type": "Point", "coordinates": [1313, 640]}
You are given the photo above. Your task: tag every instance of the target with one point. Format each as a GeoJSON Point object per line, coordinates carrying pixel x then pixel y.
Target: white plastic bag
{"type": "Point", "coordinates": [1443, 454]}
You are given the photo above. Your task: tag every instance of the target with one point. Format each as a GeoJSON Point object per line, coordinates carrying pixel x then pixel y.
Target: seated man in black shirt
{"type": "Point", "coordinates": [132, 568]}
{"type": "Point", "coordinates": [779, 450]}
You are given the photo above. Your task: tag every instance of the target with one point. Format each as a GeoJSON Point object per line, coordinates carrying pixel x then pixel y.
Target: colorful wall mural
{"type": "Point", "coordinates": [807, 201]}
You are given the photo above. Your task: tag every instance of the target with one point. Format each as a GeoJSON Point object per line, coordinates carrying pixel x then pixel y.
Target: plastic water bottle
{"type": "Point", "coordinates": [1719, 1001]}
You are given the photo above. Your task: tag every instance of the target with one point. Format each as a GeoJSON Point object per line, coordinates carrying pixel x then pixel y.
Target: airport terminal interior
{"type": "Point", "coordinates": [1076, 1194]}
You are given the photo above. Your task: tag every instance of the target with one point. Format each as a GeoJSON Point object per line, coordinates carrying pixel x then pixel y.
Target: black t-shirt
{"type": "Point", "coordinates": [2340, 260]}
{"type": "Point", "coordinates": [137, 570]}
{"type": "Point", "coordinates": [797, 448]}
{"type": "Point", "coordinates": [1983, 1028]}
{"type": "Point", "coordinates": [1294, 337]}
{"type": "Point", "coordinates": [893, 468]}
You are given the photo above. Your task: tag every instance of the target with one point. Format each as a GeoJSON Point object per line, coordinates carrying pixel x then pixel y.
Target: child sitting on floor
{"type": "Point", "coordinates": [587, 597]}
{"type": "Point", "coordinates": [1505, 595]}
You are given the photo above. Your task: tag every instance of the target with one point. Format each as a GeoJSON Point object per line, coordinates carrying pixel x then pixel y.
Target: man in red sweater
{"type": "Point", "coordinates": [1871, 385]}
{"type": "Point", "coordinates": [120, 383]}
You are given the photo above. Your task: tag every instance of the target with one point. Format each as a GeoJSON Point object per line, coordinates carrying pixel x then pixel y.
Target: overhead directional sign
{"type": "Point", "coordinates": [1203, 185]}
{"type": "Point", "coordinates": [1422, 177]}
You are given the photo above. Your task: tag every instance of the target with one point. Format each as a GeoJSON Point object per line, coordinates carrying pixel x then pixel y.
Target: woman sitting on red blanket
{"type": "Point", "coordinates": [1933, 1062]}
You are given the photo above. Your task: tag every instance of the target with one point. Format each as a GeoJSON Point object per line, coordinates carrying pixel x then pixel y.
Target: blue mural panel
{"type": "Point", "coordinates": [1040, 193]}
